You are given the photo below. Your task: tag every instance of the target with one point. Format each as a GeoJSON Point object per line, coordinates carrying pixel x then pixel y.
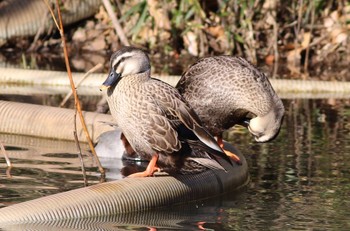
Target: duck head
{"type": "Point", "coordinates": [266, 128]}
{"type": "Point", "coordinates": [126, 61]}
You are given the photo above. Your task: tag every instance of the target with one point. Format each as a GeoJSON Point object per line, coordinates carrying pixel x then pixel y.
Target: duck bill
{"type": "Point", "coordinates": [245, 123]}
{"type": "Point", "coordinates": [111, 80]}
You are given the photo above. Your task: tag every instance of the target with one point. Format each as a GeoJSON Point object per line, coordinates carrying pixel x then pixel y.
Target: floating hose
{"type": "Point", "coordinates": [175, 219]}
{"type": "Point", "coordinates": [116, 197]}
{"type": "Point", "coordinates": [125, 196]}
{"type": "Point", "coordinates": [25, 18]}
{"type": "Point", "coordinates": [56, 78]}
{"type": "Point", "coordinates": [49, 122]}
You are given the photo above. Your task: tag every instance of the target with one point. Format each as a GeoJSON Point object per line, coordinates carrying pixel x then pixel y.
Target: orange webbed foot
{"type": "Point", "coordinates": [200, 225]}
{"type": "Point", "coordinates": [232, 156]}
{"type": "Point", "coordinates": [151, 168]}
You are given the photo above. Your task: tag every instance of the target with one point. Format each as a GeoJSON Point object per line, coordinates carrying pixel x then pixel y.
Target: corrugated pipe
{"type": "Point", "coordinates": [25, 18]}
{"type": "Point", "coordinates": [56, 78]}
{"type": "Point", "coordinates": [49, 122]}
{"type": "Point", "coordinates": [175, 219]}
{"type": "Point", "coordinates": [125, 196]}
{"type": "Point", "coordinates": [122, 196]}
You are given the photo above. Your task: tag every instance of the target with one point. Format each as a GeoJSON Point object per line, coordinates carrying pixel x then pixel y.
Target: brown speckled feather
{"type": "Point", "coordinates": [178, 112]}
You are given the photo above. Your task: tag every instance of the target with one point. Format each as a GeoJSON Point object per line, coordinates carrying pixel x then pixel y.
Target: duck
{"type": "Point", "coordinates": [158, 123]}
{"type": "Point", "coordinates": [226, 91]}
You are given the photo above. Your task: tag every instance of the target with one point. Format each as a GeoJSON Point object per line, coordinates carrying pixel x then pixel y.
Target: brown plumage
{"type": "Point", "coordinates": [155, 118]}
{"type": "Point", "coordinates": [226, 90]}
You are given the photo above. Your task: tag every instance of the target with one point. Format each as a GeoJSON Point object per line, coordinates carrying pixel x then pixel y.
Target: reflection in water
{"type": "Point", "coordinates": [299, 181]}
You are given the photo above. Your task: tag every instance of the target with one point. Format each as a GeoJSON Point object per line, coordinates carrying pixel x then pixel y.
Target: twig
{"type": "Point", "coordinates": [77, 102]}
{"type": "Point", "coordinates": [275, 47]}
{"type": "Point", "coordinates": [39, 32]}
{"type": "Point", "coordinates": [52, 13]}
{"type": "Point", "coordinates": [8, 162]}
{"type": "Point", "coordinates": [298, 26]}
{"type": "Point", "coordinates": [8, 171]}
{"type": "Point", "coordinates": [76, 99]}
{"type": "Point", "coordinates": [117, 26]}
{"type": "Point", "coordinates": [98, 66]}
{"type": "Point", "coordinates": [81, 159]}
{"type": "Point", "coordinates": [311, 29]}
{"type": "Point", "coordinates": [79, 149]}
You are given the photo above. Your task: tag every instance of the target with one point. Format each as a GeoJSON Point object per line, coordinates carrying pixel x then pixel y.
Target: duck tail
{"type": "Point", "coordinates": [210, 144]}
{"type": "Point", "coordinates": [208, 163]}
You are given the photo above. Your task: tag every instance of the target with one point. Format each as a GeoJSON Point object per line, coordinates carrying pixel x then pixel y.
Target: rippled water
{"type": "Point", "coordinates": [300, 181]}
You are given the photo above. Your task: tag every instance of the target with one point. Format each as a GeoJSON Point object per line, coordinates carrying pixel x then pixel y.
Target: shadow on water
{"type": "Point", "coordinates": [301, 180]}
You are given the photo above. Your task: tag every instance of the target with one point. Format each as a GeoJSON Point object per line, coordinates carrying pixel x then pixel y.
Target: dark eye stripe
{"type": "Point", "coordinates": [122, 59]}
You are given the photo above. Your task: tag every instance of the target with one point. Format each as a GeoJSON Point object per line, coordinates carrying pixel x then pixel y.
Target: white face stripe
{"type": "Point", "coordinates": [130, 62]}
{"type": "Point", "coordinates": [120, 57]}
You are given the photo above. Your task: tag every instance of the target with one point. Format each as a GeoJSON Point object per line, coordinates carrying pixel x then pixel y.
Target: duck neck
{"type": "Point", "coordinates": [279, 108]}
{"type": "Point", "coordinates": [124, 84]}
{"type": "Point", "coordinates": [137, 78]}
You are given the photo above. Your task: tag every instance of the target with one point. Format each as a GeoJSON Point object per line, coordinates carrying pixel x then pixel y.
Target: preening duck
{"type": "Point", "coordinates": [226, 90]}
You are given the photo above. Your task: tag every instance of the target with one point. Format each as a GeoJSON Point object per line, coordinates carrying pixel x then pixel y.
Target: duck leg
{"type": "Point", "coordinates": [232, 156]}
{"type": "Point", "coordinates": [128, 149]}
{"type": "Point", "coordinates": [151, 168]}
{"type": "Point", "coordinates": [200, 225]}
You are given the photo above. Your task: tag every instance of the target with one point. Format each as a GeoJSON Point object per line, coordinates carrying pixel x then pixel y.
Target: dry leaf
{"type": "Point", "coordinates": [306, 40]}
{"type": "Point", "coordinates": [216, 31]}
{"type": "Point", "coordinates": [79, 35]}
{"type": "Point", "coordinates": [269, 60]}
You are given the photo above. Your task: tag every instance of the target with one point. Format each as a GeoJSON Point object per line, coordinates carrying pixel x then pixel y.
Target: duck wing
{"type": "Point", "coordinates": [157, 130]}
{"type": "Point", "coordinates": [188, 126]}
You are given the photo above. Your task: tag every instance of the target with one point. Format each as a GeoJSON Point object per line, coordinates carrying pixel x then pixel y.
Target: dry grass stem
{"type": "Point", "coordinates": [8, 162]}
{"type": "Point", "coordinates": [116, 24]}
{"type": "Point", "coordinates": [79, 150]}
{"type": "Point", "coordinates": [39, 32]}
{"type": "Point", "coordinates": [92, 70]}
{"type": "Point", "coordinates": [275, 48]}
{"type": "Point", "coordinates": [52, 13]}
{"type": "Point", "coordinates": [81, 159]}
{"type": "Point", "coordinates": [307, 53]}
{"type": "Point", "coordinates": [76, 99]}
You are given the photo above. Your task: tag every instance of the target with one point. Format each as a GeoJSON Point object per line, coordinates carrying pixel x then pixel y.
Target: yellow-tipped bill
{"type": "Point", "coordinates": [111, 80]}
{"type": "Point", "coordinates": [104, 87]}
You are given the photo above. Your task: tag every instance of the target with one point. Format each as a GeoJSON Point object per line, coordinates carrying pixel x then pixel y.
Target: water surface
{"type": "Point", "coordinates": [300, 181]}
